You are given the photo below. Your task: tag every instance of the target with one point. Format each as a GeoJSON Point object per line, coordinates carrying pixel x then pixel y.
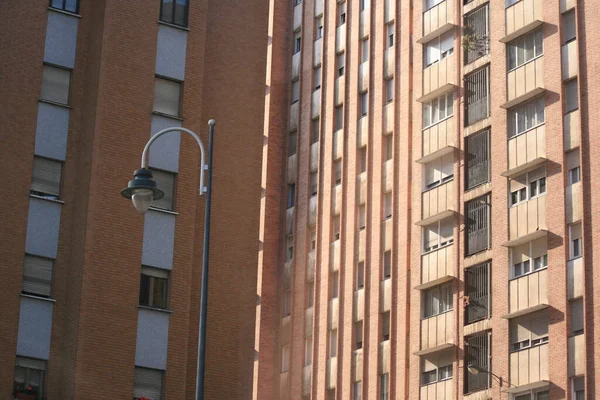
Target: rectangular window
{"type": "Point", "coordinates": [310, 294]}
{"type": "Point", "coordinates": [387, 264]}
{"type": "Point", "coordinates": [569, 31]}
{"type": "Point", "coordinates": [437, 300]}
{"type": "Point", "coordinates": [56, 84]}
{"type": "Point", "coordinates": [66, 5]}
{"type": "Point", "coordinates": [527, 186]}
{"type": "Point", "coordinates": [529, 258]}
{"type": "Point", "coordinates": [46, 178]}
{"type": "Point", "coordinates": [333, 334]}
{"type": "Point", "coordinates": [37, 275]}
{"type": "Point", "coordinates": [477, 352]}
{"type": "Point", "coordinates": [429, 377]}
{"type": "Point", "coordinates": [335, 285]}
{"type": "Point", "coordinates": [525, 117]}
{"type": "Point", "coordinates": [297, 2]}
{"type": "Point", "coordinates": [165, 181]}
{"type": "Point", "coordinates": [292, 138]}
{"type": "Point", "coordinates": [477, 299]}
{"type": "Point", "coordinates": [364, 50]}
{"type": "Point", "coordinates": [336, 227]}
{"type": "Point", "coordinates": [575, 240]}
{"type": "Point", "coordinates": [290, 248]}
{"type": "Point", "coordinates": [433, 373]}
{"type": "Point", "coordinates": [295, 91]}
{"type": "Point", "coordinates": [388, 147]}
{"type": "Point", "coordinates": [360, 275]}
{"type": "Point", "coordinates": [291, 198]}
{"type": "Point", "coordinates": [317, 77]}
{"type": "Point", "coordinates": [431, 3]}
{"type": "Point", "coordinates": [29, 379]}
{"type": "Point", "coordinates": [285, 358]}
{"type": "Point", "coordinates": [384, 387]}
{"type": "Point", "coordinates": [525, 48]}
{"type": "Point", "coordinates": [297, 42]}
{"type": "Point", "coordinates": [387, 205]}
{"type": "Point", "coordinates": [364, 103]}
{"type": "Point", "coordinates": [319, 28]}
{"type": "Point", "coordinates": [357, 390]}
{"type": "Point", "coordinates": [476, 35]}
{"type": "Point", "coordinates": [389, 90]}
{"type": "Point", "coordinates": [438, 234]}
{"type": "Point", "coordinates": [577, 317]}
{"type": "Point", "coordinates": [439, 172]}
{"type": "Point", "coordinates": [308, 351]}
{"type": "Point", "coordinates": [341, 20]}
{"type": "Point", "coordinates": [579, 388]}
{"type": "Point", "coordinates": [154, 284]}
{"type": "Point", "coordinates": [478, 228]}
{"type": "Point", "coordinates": [287, 302]}
{"type": "Point", "coordinates": [385, 326]}
{"type": "Point", "coordinates": [529, 331]}
{"type": "Point", "coordinates": [362, 217]}
{"type": "Point", "coordinates": [174, 12]}
{"type": "Point", "coordinates": [438, 109]}
{"type": "Point", "coordinates": [439, 48]}
{"type": "Point", "coordinates": [314, 134]}
{"type": "Point", "coordinates": [339, 118]}
{"type": "Point", "coordinates": [573, 168]}
{"type": "Point", "coordinates": [358, 334]}
{"type": "Point", "coordinates": [365, 4]}
{"type": "Point", "coordinates": [477, 160]}
{"type": "Point", "coordinates": [314, 183]}
{"type": "Point", "coordinates": [571, 96]}
{"type": "Point", "coordinates": [340, 61]}
{"type": "Point", "coordinates": [337, 170]}
{"type": "Point", "coordinates": [390, 35]}
{"type": "Point", "coordinates": [477, 93]}
{"type": "Point", "coordinates": [362, 160]}
{"type": "Point", "coordinates": [167, 97]}
{"type": "Point", "coordinates": [147, 384]}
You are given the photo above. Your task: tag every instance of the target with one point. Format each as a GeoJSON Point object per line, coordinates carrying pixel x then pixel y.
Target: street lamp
{"type": "Point", "coordinates": [142, 191]}
{"type": "Point", "coordinates": [475, 369]}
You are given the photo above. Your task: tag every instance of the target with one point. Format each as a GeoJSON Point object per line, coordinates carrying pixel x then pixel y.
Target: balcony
{"type": "Point", "coordinates": [333, 314]}
{"type": "Point", "coordinates": [570, 60]}
{"type": "Point", "coordinates": [437, 333]}
{"type": "Point", "coordinates": [388, 176]}
{"type": "Point", "coordinates": [527, 221]}
{"type": "Point", "coordinates": [574, 200]}
{"type": "Point", "coordinates": [335, 255]}
{"type": "Point", "coordinates": [526, 151]}
{"type": "Point", "coordinates": [529, 367]}
{"type": "Point", "coordinates": [437, 20]}
{"type": "Point", "coordinates": [310, 268]}
{"type": "Point", "coordinates": [357, 365]}
{"type": "Point", "coordinates": [338, 144]}
{"type": "Point", "coordinates": [296, 65]}
{"type": "Point", "coordinates": [340, 39]}
{"type": "Point", "coordinates": [385, 293]}
{"type": "Point", "coordinates": [437, 391]}
{"type": "Point", "coordinates": [289, 221]}
{"type": "Point", "coordinates": [306, 379]}
{"type": "Point", "coordinates": [572, 130]}
{"type": "Point", "coordinates": [339, 90]}
{"type": "Point", "coordinates": [312, 210]}
{"type": "Point", "coordinates": [331, 373]}
{"type": "Point", "coordinates": [388, 118]}
{"type": "Point", "coordinates": [576, 357]}
{"type": "Point", "coordinates": [522, 17]}
{"type": "Point", "coordinates": [384, 357]}
{"type": "Point", "coordinates": [528, 291]}
{"type": "Point", "coordinates": [437, 203]}
{"type": "Point", "coordinates": [575, 278]}
{"type": "Point", "coordinates": [438, 78]}
{"type": "Point", "coordinates": [389, 63]}
{"type": "Point", "coordinates": [317, 52]}
{"type": "Point", "coordinates": [336, 206]}
{"type": "Point", "coordinates": [438, 140]}
{"type": "Point", "coordinates": [298, 16]}
{"type": "Point", "coordinates": [363, 76]}
{"type": "Point", "coordinates": [308, 321]}
{"type": "Point", "coordinates": [525, 82]}
{"type": "Point", "coordinates": [437, 267]}
{"type": "Point", "coordinates": [365, 23]}
{"type": "Point", "coordinates": [316, 104]}
{"type": "Point", "coordinates": [292, 165]}
{"type": "Point", "coordinates": [359, 305]}
{"type": "Point", "coordinates": [362, 185]}
{"type": "Point", "coordinates": [363, 132]}
{"type": "Point", "coordinates": [294, 116]}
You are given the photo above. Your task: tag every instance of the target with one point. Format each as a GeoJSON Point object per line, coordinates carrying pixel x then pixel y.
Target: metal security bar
{"type": "Point", "coordinates": [476, 34]}
{"type": "Point", "coordinates": [477, 299]}
{"type": "Point", "coordinates": [477, 104]}
{"type": "Point", "coordinates": [478, 231]}
{"type": "Point", "coordinates": [477, 353]}
{"type": "Point", "coordinates": [477, 160]}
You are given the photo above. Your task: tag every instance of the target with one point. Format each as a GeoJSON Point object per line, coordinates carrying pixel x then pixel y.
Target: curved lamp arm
{"type": "Point", "coordinates": [203, 165]}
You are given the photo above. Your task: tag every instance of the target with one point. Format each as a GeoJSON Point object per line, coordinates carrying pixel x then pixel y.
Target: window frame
{"type": "Point", "coordinates": [174, 175]}
{"type": "Point", "coordinates": [185, 18]}
{"type": "Point", "coordinates": [519, 44]}
{"type": "Point", "coordinates": [166, 288]}
{"type": "Point", "coordinates": [520, 112]}
{"type": "Point", "coordinates": [442, 165]}
{"type": "Point", "coordinates": [162, 381]}
{"type": "Point", "coordinates": [179, 100]}
{"type": "Point", "coordinates": [437, 43]}
{"type": "Point", "coordinates": [436, 371]}
{"type": "Point", "coordinates": [48, 196]}
{"type": "Point", "coordinates": [526, 344]}
{"type": "Point", "coordinates": [530, 262]}
{"type": "Point", "coordinates": [27, 374]}
{"type": "Point", "coordinates": [440, 244]}
{"type": "Point", "coordinates": [63, 68]}
{"type": "Point", "coordinates": [432, 110]}
{"type": "Point", "coordinates": [51, 260]}
{"type": "Point", "coordinates": [540, 184]}
{"type": "Point", "coordinates": [444, 293]}
{"type": "Point", "coordinates": [63, 7]}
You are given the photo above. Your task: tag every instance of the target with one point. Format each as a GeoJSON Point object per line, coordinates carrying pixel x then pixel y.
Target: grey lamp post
{"type": "Point", "coordinates": [142, 190]}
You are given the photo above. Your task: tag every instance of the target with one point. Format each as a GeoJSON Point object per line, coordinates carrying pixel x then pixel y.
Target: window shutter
{"type": "Point", "coordinates": [569, 32]}
{"type": "Point", "coordinates": [55, 84]}
{"type": "Point", "coordinates": [577, 316]}
{"type": "Point", "coordinates": [167, 95]}
{"type": "Point", "coordinates": [165, 181]}
{"type": "Point", "coordinates": [571, 97]}
{"type": "Point", "coordinates": [155, 272]}
{"type": "Point", "coordinates": [539, 326]}
{"type": "Point", "coordinates": [46, 176]}
{"type": "Point", "coordinates": [31, 363]}
{"type": "Point", "coordinates": [572, 160]}
{"type": "Point", "coordinates": [37, 275]}
{"type": "Point", "coordinates": [148, 383]}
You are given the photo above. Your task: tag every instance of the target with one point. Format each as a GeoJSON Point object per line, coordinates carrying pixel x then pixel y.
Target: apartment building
{"type": "Point", "coordinates": [428, 225]}
{"type": "Point", "coordinates": [98, 300]}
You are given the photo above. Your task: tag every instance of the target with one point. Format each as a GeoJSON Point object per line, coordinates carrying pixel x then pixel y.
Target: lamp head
{"type": "Point", "coordinates": [142, 190]}
{"type": "Point", "coordinates": [473, 369]}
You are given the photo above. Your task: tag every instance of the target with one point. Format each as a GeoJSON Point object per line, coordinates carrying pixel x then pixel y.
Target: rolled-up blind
{"type": "Point", "coordinates": [165, 181]}
{"type": "Point", "coordinates": [37, 275]}
{"type": "Point", "coordinates": [31, 363]}
{"type": "Point", "coordinates": [148, 383]}
{"type": "Point", "coordinates": [55, 84]}
{"type": "Point", "coordinates": [46, 177]}
{"type": "Point", "coordinates": [167, 95]}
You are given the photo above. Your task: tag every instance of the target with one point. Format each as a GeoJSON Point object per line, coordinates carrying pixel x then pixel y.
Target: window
{"type": "Point", "coordinates": [308, 351]}
{"type": "Point", "coordinates": [335, 285]}
{"type": "Point", "coordinates": [333, 343]}
{"type": "Point", "coordinates": [174, 12]}
{"type": "Point", "coordinates": [365, 4]}
{"type": "Point", "coordinates": [314, 183]}
{"type": "Point", "coordinates": [364, 50]}
{"type": "Point", "coordinates": [384, 383]}
{"type": "Point", "coordinates": [154, 283]}
{"type": "Point", "coordinates": [319, 28]}
{"type": "Point", "coordinates": [477, 159]}
{"type": "Point", "coordinates": [578, 388]}
{"type": "Point", "coordinates": [575, 246]}
{"type": "Point", "coordinates": [438, 109]}
{"type": "Point", "coordinates": [531, 395]}
{"type": "Point", "coordinates": [525, 48]}
{"type": "Point", "coordinates": [314, 134]}
{"type": "Point", "coordinates": [390, 35]}
{"type": "Point", "coordinates": [147, 383]}
{"type": "Point", "coordinates": [477, 95]}
{"type": "Point", "coordinates": [573, 169]}
{"type": "Point", "coordinates": [358, 334]}
{"type": "Point", "coordinates": [292, 138]}
{"type": "Point", "coordinates": [290, 248]}
{"type": "Point", "coordinates": [66, 5]}
{"type": "Point", "coordinates": [389, 90]}
{"type": "Point", "coordinates": [29, 379]}
{"type": "Point", "coordinates": [362, 217]}
{"type": "Point", "coordinates": [336, 227]}
{"type": "Point", "coordinates": [37, 275]}
{"type": "Point", "coordinates": [508, 3]}
{"type": "Point", "coordinates": [525, 117]}
{"type": "Point", "coordinates": [577, 317]}
{"type": "Point", "coordinates": [476, 35]}
{"type": "Point", "coordinates": [46, 178]}
{"type": "Point", "coordinates": [571, 97]}
{"type": "Point", "coordinates": [295, 91]}
{"type": "Point", "coordinates": [527, 186]}
{"type": "Point", "coordinates": [477, 352]}
{"type": "Point", "coordinates": [364, 103]}
{"type": "Point", "coordinates": [310, 294]}
{"type": "Point", "coordinates": [167, 97]}
{"type": "Point", "coordinates": [297, 42]}
{"type": "Point", "coordinates": [529, 258]}
{"type": "Point", "coordinates": [438, 235]}
{"type": "Point", "coordinates": [388, 147]}
{"type": "Point", "coordinates": [287, 302]}
{"type": "Point", "coordinates": [337, 169]}
{"type": "Point", "coordinates": [341, 20]}
{"type": "Point", "coordinates": [357, 390]}
{"type": "Point", "coordinates": [436, 369]}
{"type": "Point", "coordinates": [56, 84]}
{"type": "Point", "coordinates": [439, 48]}
{"type": "Point", "coordinates": [362, 160]}
{"type": "Point", "coordinates": [313, 239]}
{"type": "Point", "coordinates": [385, 326]}
{"type": "Point", "coordinates": [339, 118]}
{"type": "Point", "coordinates": [291, 199]}
{"type": "Point", "coordinates": [297, 2]}
{"type": "Point", "coordinates": [285, 358]}
{"type": "Point", "coordinates": [387, 205]}
{"type": "Point", "coordinates": [529, 331]}
{"type": "Point", "coordinates": [387, 264]}
{"type": "Point", "coordinates": [317, 78]}
{"type": "Point", "coordinates": [431, 3]}
{"type": "Point", "coordinates": [439, 171]}
{"type": "Point", "coordinates": [165, 181]}
{"type": "Point", "coordinates": [569, 31]}
{"type": "Point", "coordinates": [477, 299]}
{"type": "Point", "coordinates": [360, 275]}
{"type": "Point", "coordinates": [478, 230]}
{"type": "Point", "coordinates": [437, 300]}
{"type": "Point", "coordinates": [340, 61]}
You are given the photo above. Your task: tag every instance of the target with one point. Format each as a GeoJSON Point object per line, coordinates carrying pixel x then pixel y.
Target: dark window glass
{"type": "Point", "coordinates": [174, 12]}
{"type": "Point", "coordinates": [66, 5]}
